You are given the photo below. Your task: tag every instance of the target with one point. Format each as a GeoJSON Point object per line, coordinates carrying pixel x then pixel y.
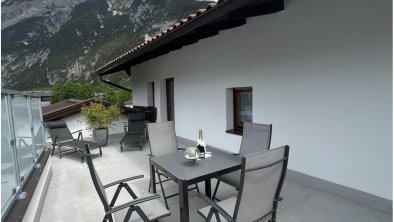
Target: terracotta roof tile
{"type": "Point", "coordinates": [165, 32]}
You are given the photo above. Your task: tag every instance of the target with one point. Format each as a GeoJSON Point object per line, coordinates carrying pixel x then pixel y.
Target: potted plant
{"type": "Point", "coordinates": [99, 118]}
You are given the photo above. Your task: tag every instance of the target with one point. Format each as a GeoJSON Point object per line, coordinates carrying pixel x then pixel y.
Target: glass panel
{"type": "Point", "coordinates": [20, 113]}
{"type": "Point", "coordinates": [245, 106]}
{"type": "Point", "coordinates": [38, 128]}
{"type": "Point", "coordinates": [8, 174]}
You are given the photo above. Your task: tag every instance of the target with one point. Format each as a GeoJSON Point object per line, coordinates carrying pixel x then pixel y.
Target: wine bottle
{"type": "Point", "coordinates": [201, 144]}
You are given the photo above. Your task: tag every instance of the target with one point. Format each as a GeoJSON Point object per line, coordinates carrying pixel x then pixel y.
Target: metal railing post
{"type": "Point", "coordinates": [13, 142]}
{"type": "Point", "coordinates": [42, 124]}
{"type": "Point", "coordinates": [33, 138]}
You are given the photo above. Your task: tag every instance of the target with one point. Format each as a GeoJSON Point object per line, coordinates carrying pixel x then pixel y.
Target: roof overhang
{"type": "Point", "coordinates": [205, 23]}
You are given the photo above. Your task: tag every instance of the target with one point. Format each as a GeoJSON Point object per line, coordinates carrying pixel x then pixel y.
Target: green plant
{"type": "Point", "coordinates": [120, 96]}
{"type": "Point", "coordinates": [99, 116]}
{"type": "Point", "coordinates": [72, 90]}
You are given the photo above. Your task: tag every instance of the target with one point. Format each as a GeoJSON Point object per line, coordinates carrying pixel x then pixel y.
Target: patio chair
{"type": "Point", "coordinates": [262, 177]}
{"type": "Point", "coordinates": [136, 131]}
{"type": "Point", "coordinates": [61, 136]}
{"type": "Point", "coordinates": [256, 137]}
{"type": "Point", "coordinates": [147, 208]}
{"type": "Point", "coordinates": [162, 140]}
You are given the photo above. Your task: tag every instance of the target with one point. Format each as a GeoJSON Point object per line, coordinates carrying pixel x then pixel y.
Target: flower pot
{"type": "Point", "coordinates": [101, 136]}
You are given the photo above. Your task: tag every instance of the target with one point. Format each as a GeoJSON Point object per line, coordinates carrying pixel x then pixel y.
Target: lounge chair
{"type": "Point", "coordinates": [136, 131]}
{"type": "Point", "coordinates": [262, 177]}
{"type": "Point", "coordinates": [256, 137]}
{"type": "Point", "coordinates": [62, 137]}
{"type": "Point", "coordinates": [147, 208]}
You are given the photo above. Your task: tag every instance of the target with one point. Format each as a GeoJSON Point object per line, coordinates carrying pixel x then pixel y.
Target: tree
{"type": "Point", "coordinates": [115, 96]}
{"type": "Point", "coordinates": [72, 90]}
{"type": "Point", "coordinates": [118, 97]}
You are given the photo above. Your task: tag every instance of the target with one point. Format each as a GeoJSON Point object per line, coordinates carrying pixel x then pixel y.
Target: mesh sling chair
{"type": "Point", "coordinates": [61, 136]}
{"type": "Point", "coordinates": [136, 131]}
{"type": "Point", "coordinates": [162, 140]}
{"type": "Point", "coordinates": [256, 137]}
{"type": "Point", "coordinates": [262, 177]}
{"type": "Point", "coordinates": [147, 208]}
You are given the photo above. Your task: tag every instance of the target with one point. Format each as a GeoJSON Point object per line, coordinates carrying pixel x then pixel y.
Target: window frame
{"type": "Point", "coordinates": [236, 106]}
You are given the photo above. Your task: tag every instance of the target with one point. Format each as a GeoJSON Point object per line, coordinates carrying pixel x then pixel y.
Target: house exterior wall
{"type": "Point", "coordinates": [321, 73]}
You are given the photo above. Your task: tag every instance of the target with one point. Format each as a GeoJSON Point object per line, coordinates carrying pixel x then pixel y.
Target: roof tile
{"type": "Point", "coordinates": [165, 32]}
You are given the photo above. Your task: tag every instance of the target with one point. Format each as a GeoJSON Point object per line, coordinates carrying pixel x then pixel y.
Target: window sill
{"type": "Point", "coordinates": [235, 131]}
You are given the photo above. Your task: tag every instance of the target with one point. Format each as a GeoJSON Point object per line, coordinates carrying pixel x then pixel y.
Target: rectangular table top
{"type": "Point", "coordinates": [177, 167]}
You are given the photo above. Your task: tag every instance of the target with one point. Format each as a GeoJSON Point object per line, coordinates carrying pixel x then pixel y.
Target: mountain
{"type": "Point", "coordinates": [44, 42]}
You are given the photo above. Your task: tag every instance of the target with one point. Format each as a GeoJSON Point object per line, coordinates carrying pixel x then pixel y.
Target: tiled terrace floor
{"type": "Point", "coordinates": [72, 197]}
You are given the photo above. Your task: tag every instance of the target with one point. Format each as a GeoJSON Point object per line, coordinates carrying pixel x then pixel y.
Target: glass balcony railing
{"type": "Point", "coordinates": [22, 142]}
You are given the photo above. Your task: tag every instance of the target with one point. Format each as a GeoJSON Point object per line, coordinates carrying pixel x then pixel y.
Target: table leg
{"type": "Point", "coordinates": [152, 178]}
{"type": "Point", "coordinates": [208, 188]}
{"type": "Point", "coordinates": [183, 201]}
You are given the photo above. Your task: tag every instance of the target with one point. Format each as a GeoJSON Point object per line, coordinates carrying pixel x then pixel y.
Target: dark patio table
{"type": "Point", "coordinates": [176, 167]}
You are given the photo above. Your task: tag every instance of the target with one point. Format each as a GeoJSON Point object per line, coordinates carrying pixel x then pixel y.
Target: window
{"type": "Point", "coordinates": [242, 107]}
{"type": "Point", "coordinates": [238, 108]}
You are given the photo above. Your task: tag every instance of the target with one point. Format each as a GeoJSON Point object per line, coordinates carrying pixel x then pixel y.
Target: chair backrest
{"type": "Point", "coordinates": [256, 137]}
{"type": "Point", "coordinates": [59, 129]}
{"type": "Point", "coordinates": [162, 138]}
{"type": "Point", "coordinates": [98, 185]}
{"type": "Point", "coordinates": [136, 122]}
{"type": "Point", "coordinates": [262, 177]}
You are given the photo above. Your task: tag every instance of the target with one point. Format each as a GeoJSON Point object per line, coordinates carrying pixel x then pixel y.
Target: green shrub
{"type": "Point", "coordinates": [72, 90]}
{"type": "Point", "coordinates": [120, 96]}
{"type": "Point", "coordinates": [98, 116]}
{"type": "Point", "coordinates": [115, 96]}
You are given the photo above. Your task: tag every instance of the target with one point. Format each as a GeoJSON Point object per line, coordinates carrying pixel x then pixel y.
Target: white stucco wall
{"type": "Point", "coordinates": [321, 74]}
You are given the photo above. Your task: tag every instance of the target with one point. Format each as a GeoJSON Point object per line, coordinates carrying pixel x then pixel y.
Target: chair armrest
{"type": "Point", "coordinates": [132, 203]}
{"type": "Point", "coordinates": [24, 137]}
{"type": "Point", "coordinates": [123, 180]}
{"type": "Point", "coordinates": [76, 131]}
{"type": "Point", "coordinates": [216, 206]}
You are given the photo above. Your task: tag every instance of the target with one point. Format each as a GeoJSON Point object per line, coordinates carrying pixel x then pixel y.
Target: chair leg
{"type": "Point", "coordinates": [212, 211]}
{"type": "Point", "coordinates": [131, 192]}
{"type": "Point", "coordinates": [217, 216]}
{"type": "Point", "coordinates": [216, 190]}
{"type": "Point", "coordinates": [115, 197]}
{"type": "Point", "coordinates": [81, 153]}
{"type": "Point", "coordinates": [273, 217]}
{"type": "Point", "coordinates": [53, 149]}
{"type": "Point", "coordinates": [108, 217]}
{"type": "Point", "coordinates": [141, 213]}
{"type": "Point", "coordinates": [121, 147]}
{"type": "Point", "coordinates": [162, 189]}
{"type": "Point", "coordinates": [60, 151]}
{"type": "Point", "coordinates": [198, 190]}
{"type": "Point", "coordinates": [101, 152]}
{"type": "Point", "coordinates": [128, 214]}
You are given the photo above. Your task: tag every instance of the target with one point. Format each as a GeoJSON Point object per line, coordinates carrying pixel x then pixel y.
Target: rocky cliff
{"type": "Point", "coordinates": [48, 41]}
